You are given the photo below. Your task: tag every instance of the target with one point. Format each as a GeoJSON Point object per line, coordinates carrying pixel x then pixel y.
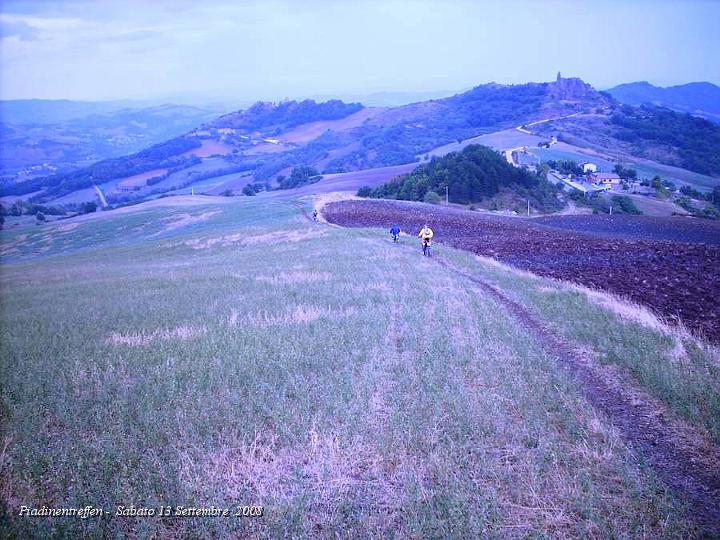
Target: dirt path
{"type": "Point", "coordinates": [681, 456]}
{"type": "Point", "coordinates": [671, 265]}
{"type": "Point", "coordinates": [302, 208]}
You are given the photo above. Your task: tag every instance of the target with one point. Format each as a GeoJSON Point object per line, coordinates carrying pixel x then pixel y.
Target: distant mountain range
{"type": "Point", "coordinates": [698, 98]}
{"type": "Point", "coordinates": [42, 136]}
{"type": "Point", "coordinates": [269, 139]}
{"type": "Point", "coordinates": [266, 141]}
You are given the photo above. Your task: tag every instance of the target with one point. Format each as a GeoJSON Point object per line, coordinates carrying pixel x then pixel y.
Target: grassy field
{"type": "Point", "coordinates": [499, 140]}
{"type": "Point", "coordinates": [646, 169]}
{"type": "Point", "coordinates": [684, 371]}
{"type": "Point", "coordinates": [231, 353]}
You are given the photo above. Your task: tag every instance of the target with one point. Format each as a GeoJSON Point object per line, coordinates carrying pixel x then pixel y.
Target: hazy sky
{"type": "Point", "coordinates": [105, 49]}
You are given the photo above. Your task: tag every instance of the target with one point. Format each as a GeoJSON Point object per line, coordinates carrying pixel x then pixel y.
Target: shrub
{"type": "Point", "coordinates": [365, 191]}
{"type": "Point", "coordinates": [625, 204]}
{"type": "Point", "coordinates": [432, 198]}
{"type": "Point", "coordinates": [88, 208]}
{"type": "Point", "coordinates": [299, 176]}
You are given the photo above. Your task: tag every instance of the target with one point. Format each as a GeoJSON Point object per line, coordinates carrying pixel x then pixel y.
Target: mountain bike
{"type": "Point", "coordinates": [426, 247]}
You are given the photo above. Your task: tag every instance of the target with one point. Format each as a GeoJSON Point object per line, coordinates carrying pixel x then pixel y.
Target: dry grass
{"type": "Point", "coordinates": [183, 220]}
{"type": "Point", "coordinates": [290, 278]}
{"type": "Point", "coordinates": [301, 314]}
{"type": "Point", "coordinates": [372, 395]}
{"type": "Point", "coordinates": [253, 239]}
{"type": "Point", "coordinates": [68, 227]}
{"type": "Point", "coordinates": [143, 339]}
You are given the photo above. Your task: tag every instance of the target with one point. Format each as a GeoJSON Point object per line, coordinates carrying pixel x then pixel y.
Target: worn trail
{"type": "Point", "coordinates": [681, 456]}
{"type": "Point", "coordinates": [685, 459]}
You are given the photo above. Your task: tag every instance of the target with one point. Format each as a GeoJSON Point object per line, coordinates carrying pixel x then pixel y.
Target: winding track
{"type": "Point", "coordinates": [681, 456]}
{"type": "Point", "coordinates": [686, 460]}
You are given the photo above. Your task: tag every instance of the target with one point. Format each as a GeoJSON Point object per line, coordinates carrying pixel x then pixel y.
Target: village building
{"type": "Point", "coordinates": [607, 179]}
{"type": "Point", "coordinates": [588, 167]}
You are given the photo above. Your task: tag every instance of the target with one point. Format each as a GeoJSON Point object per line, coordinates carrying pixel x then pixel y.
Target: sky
{"type": "Point", "coordinates": [271, 49]}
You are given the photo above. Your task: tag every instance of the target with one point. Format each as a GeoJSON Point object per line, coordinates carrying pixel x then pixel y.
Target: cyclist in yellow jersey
{"type": "Point", "coordinates": [426, 234]}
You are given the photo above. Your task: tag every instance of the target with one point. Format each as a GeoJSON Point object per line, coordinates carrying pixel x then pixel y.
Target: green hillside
{"type": "Point", "coordinates": [229, 352]}
{"type": "Point", "coordinates": [471, 175]}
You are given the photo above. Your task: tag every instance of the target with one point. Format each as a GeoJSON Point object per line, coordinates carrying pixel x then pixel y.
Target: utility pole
{"type": "Point", "coordinates": [528, 207]}
{"type": "Point", "coordinates": [611, 209]}
{"type": "Point", "coordinates": [447, 198]}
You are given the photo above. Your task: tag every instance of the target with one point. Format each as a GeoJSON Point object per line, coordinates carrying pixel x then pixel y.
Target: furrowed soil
{"type": "Point", "coordinates": [671, 265]}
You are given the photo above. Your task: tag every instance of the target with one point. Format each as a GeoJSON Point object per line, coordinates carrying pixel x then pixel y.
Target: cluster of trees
{"type": "Point", "coordinates": [300, 176]}
{"type": "Point", "coordinates": [697, 140]}
{"type": "Point", "coordinates": [565, 166]}
{"type": "Point", "coordinates": [253, 189]}
{"type": "Point", "coordinates": [621, 204]}
{"type": "Point", "coordinates": [475, 173]}
{"type": "Point", "coordinates": [707, 211]}
{"type": "Point", "coordinates": [162, 155]}
{"type": "Point", "coordinates": [711, 196]}
{"type": "Point", "coordinates": [624, 172]}
{"type": "Point", "coordinates": [20, 208]}
{"type": "Point", "coordinates": [287, 114]}
{"type": "Point", "coordinates": [40, 211]}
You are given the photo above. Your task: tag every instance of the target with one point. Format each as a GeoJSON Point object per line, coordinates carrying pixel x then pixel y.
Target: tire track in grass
{"type": "Point", "coordinates": [685, 459]}
{"type": "Point", "coordinates": [681, 456]}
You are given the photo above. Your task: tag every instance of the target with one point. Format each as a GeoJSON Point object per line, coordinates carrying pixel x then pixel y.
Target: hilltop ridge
{"type": "Point", "coordinates": [698, 98]}
{"type": "Point", "coordinates": [263, 143]}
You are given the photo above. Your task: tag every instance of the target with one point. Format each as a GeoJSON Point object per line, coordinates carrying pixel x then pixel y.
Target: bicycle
{"type": "Point", "coordinates": [426, 247]}
{"type": "Point", "coordinates": [396, 238]}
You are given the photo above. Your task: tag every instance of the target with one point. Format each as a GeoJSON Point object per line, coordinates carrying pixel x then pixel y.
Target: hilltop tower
{"type": "Point", "coordinates": [559, 77]}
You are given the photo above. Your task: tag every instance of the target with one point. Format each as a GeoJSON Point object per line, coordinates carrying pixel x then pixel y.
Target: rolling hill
{"type": "Point", "coordinates": [698, 98]}
{"type": "Point", "coordinates": [268, 139]}
{"type": "Point", "coordinates": [228, 352]}
{"type": "Point", "coordinates": [44, 136]}
{"type": "Point", "coordinates": [258, 146]}
{"type": "Point", "coordinates": [646, 132]}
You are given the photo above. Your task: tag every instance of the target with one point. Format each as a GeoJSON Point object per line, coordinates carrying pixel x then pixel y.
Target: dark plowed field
{"type": "Point", "coordinates": [670, 265]}
{"type": "Point", "coordinates": [677, 229]}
